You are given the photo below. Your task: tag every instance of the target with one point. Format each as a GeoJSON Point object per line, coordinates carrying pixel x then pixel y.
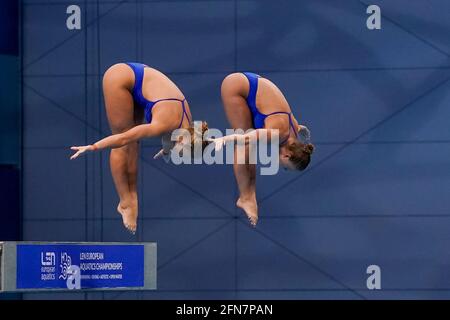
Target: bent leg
{"type": "Point", "coordinates": [120, 112]}
{"type": "Point", "coordinates": [239, 117]}
{"type": "Point", "coordinates": [133, 156]}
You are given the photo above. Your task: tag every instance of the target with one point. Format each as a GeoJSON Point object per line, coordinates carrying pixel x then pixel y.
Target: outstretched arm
{"type": "Point", "coordinates": [254, 135]}
{"type": "Point", "coordinates": [119, 140]}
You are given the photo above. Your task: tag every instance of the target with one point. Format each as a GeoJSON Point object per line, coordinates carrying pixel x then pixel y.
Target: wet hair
{"type": "Point", "coordinates": [300, 154]}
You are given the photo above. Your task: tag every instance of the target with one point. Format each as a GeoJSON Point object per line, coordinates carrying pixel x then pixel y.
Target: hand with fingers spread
{"type": "Point", "coordinates": [81, 149]}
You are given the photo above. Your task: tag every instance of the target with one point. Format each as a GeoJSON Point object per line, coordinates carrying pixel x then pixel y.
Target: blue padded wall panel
{"type": "Point", "coordinates": [328, 101]}
{"type": "Point", "coordinates": [195, 188]}
{"type": "Point", "coordinates": [428, 20]}
{"type": "Point", "coordinates": [189, 36]}
{"type": "Point", "coordinates": [199, 264]}
{"type": "Point", "coordinates": [178, 244]}
{"type": "Point", "coordinates": [49, 47]}
{"type": "Point", "coordinates": [425, 120]}
{"type": "Point", "coordinates": [369, 179]}
{"type": "Point", "coordinates": [118, 41]}
{"type": "Point", "coordinates": [53, 189]}
{"type": "Point", "coordinates": [402, 247]}
{"type": "Point", "coordinates": [322, 35]}
{"type": "Point", "coordinates": [50, 106]}
{"type": "Point", "coordinates": [203, 93]}
{"type": "Point", "coordinates": [62, 229]}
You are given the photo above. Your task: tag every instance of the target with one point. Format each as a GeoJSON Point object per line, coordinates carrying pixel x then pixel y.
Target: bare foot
{"type": "Point", "coordinates": [251, 209]}
{"type": "Point", "coordinates": [129, 215]}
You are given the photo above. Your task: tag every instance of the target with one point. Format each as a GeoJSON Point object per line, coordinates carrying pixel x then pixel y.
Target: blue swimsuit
{"type": "Point", "coordinates": [138, 97]}
{"type": "Point", "coordinates": [259, 117]}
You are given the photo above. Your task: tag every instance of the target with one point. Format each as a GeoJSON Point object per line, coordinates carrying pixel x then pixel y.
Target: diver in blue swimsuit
{"type": "Point", "coordinates": [253, 102]}
{"type": "Point", "coordinates": [140, 102]}
{"type": "Point", "coordinates": [259, 118]}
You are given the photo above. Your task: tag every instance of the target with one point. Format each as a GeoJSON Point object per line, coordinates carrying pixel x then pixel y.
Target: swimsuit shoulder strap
{"type": "Point", "coordinates": [184, 113]}
{"type": "Point", "coordinates": [182, 105]}
{"type": "Point", "coordinates": [291, 123]}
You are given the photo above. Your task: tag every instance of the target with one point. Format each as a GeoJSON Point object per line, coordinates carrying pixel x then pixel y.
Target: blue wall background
{"type": "Point", "coordinates": [9, 83]}
{"type": "Point", "coordinates": [10, 122]}
{"type": "Point", "coordinates": [377, 103]}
